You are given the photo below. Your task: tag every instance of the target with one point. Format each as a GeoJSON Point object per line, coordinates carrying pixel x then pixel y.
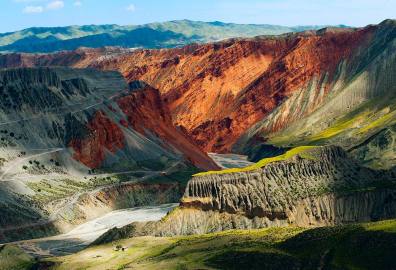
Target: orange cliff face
{"type": "Point", "coordinates": [307, 59]}
{"type": "Point", "coordinates": [216, 92]}
{"type": "Point", "coordinates": [198, 82]}
{"type": "Point", "coordinates": [146, 113]}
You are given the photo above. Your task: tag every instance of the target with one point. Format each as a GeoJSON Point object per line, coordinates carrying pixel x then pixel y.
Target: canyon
{"type": "Point", "coordinates": [295, 130]}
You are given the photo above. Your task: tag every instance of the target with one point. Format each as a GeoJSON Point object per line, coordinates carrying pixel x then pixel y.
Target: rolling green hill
{"type": "Point", "coordinates": [153, 35]}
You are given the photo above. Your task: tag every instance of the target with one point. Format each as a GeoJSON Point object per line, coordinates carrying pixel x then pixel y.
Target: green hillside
{"type": "Point", "coordinates": [361, 246]}
{"type": "Point", "coordinates": [153, 35]}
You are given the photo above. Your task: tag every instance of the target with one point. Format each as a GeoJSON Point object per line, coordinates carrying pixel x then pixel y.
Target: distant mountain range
{"type": "Point", "coordinates": [154, 35]}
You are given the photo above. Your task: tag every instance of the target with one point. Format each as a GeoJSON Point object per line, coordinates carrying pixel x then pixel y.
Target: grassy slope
{"type": "Point", "coordinates": [303, 151]}
{"type": "Point", "coordinates": [366, 131]}
{"type": "Point", "coordinates": [365, 246]}
{"type": "Point", "coordinates": [369, 117]}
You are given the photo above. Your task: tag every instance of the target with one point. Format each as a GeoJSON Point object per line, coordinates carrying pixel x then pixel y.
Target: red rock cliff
{"type": "Point", "coordinates": [147, 114]}
{"type": "Point", "coordinates": [104, 135]}
{"type": "Point", "coordinates": [217, 91]}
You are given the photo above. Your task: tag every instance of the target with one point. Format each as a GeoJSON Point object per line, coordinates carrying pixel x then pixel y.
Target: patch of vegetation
{"type": "Point", "coordinates": [120, 166]}
{"type": "Point", "coordinates": [153, 164]}
{"type": "Point", "coordinates": [338, 127]}
{"type": "Point", "coordinates": [265, 259]}
{"type": "Point", "coordinates": [303, 151]}
{"type": "Point", "coordinates": [370, 186]}
{"type": "Point", "coordinates": [47, 191]}
{"type": "Point", "coordinates": [383, 120]}
{"type": "Point", "coordinates": [12, 257]}
{"type": "Point", "coordinates": [2, 161]}
{"type": "Point", "coordinates": [365, 246]}
{"type": "Point", "coordinates": [372, 115]}
{"type": "Point", "coordinates": [102, 181]}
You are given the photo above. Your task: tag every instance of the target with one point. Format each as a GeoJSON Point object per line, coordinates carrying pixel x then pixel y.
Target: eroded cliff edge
{"type": "Point", "coordinates": [322, 186]}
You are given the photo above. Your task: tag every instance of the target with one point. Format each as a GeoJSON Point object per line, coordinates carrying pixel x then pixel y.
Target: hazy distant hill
{"type": "Point", "coordinates": [154, 35]}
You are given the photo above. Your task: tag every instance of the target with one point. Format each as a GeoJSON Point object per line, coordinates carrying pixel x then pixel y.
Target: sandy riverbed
{"type": "Point", "coordinates": [86, 233]}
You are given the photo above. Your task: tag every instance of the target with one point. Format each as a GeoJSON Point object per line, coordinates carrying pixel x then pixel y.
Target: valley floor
{"type": "Point", "coordinates": [86, 233]}
{"type": "Point", "coordinates": [361, 246]}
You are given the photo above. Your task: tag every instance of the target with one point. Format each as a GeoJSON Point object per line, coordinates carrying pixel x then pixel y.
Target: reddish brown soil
{"type": "Point", "coordinates": [104, 135]}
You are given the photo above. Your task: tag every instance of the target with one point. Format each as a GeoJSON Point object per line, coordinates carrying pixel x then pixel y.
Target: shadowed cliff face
{"type": "Point", "coordinates": [102, 135]}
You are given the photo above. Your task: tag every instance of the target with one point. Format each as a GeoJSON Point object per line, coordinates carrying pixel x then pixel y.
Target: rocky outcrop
{"type": "Point", "coordinates": [325, 210]}
{"type": "Point", "coordinates": [324, 188]}
{"type": "Point", "coordinates": [272, 190]}
{"type": "Point", "coordinates": [87, 111]}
